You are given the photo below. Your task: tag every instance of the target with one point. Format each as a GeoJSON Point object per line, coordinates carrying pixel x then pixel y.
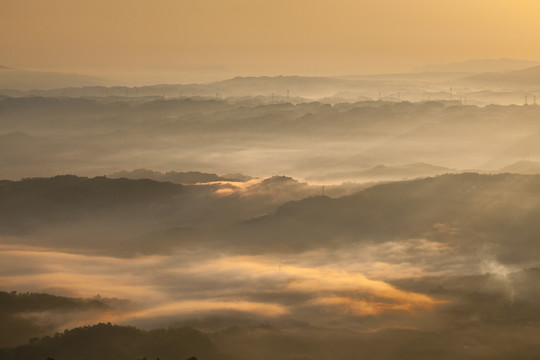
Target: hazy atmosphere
{"type": "Point", "coordinates": [144, 42]}
{"type": "Point", "coordinates": [244, 180]}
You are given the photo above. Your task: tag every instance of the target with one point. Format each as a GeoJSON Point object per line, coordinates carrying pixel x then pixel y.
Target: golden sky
{"type": "Point", "coordinates": [226, 37]}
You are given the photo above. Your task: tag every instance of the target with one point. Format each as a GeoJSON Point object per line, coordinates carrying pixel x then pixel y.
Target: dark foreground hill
{"type": "Point", "coordinates": [113, 342]}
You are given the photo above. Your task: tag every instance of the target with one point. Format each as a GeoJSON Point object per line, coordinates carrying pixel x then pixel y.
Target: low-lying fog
{"type": "Point", "coordinates": [293, 229]}
{"type": "Point", "coordinates": [321, 142]}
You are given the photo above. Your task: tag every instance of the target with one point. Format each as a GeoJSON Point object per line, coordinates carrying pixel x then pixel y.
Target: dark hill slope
{"type": "Point", "coordinates": [463, 209]}
{"type": "Point", "coordinates": [30, 202]}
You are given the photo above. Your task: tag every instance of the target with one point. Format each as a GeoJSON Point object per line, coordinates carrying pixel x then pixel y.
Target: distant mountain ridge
{"type": "Point", "coordinates": [188, 177]}
{"type": "Point", "coordinates": [524, 77]}
{"type": "Point", "coordinates": [18, 79]}
{"type": "Point", "coordinates": [384, 173]}
{"type": "Point", "coordinates": [420, 170]}
{"type": "Point", "coordinates": [525, 167]}
{"type": "Point", "coordinates": [480, 66]}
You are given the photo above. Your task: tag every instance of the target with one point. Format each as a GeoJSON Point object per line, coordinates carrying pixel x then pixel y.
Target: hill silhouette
{"type": "Point", "coordinates": [30, 202]}
{"type": "Point", "coordinates": [114, 342]}
{"type": "Point", "coordinates": [387, 172]}
{"type": "Point", "coordinates": [525, 77]}
{"type": "Point", "coordinates": [522, 167]}
{"type": "Point", "coordinates": [11, 78]}
{"type": "Point", "coordinates": [480, 65]}
{"type": "Point", "coordinates": [183, 177]}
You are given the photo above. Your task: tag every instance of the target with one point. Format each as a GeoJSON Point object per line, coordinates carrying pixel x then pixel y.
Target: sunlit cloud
{"type": "Point", "coordinates": [357, 306]}
{"type": "Point", "coordinates": [194, 307]}
{"type": "Point", "coordinates": [232, 187]}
